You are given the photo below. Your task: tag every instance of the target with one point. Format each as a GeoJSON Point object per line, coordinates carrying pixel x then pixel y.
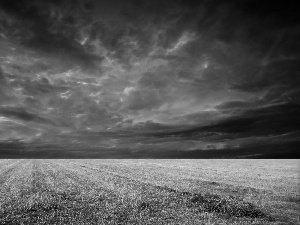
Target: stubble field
{"type": "Point", "coordinates": [149, 191]}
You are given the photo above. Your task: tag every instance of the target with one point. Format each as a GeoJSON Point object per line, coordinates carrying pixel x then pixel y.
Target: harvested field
{"type": "Point", "coordinates": [149, 191]}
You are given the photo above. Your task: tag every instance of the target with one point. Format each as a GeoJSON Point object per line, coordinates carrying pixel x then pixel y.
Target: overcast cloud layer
{"type": "Point", "coordinates": [148, 75]}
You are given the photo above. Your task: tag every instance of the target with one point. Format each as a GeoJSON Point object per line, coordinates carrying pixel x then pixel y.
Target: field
{"type": "Point", "coordinates": [151, 191]}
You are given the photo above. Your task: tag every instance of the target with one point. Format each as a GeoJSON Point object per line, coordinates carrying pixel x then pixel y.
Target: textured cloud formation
{"type": "Point", "coordinates": [71, 70]}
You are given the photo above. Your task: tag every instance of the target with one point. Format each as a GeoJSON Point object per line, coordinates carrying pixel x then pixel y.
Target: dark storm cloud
{"type": "Point", "coordinates": [149, 93]}
{"type": "Point", "coordinates": [4, 88]}
{"type": "Point", "coordinates": [252, 43]}
{"type": "Point", "coordinates": [216, 66]}
{"type": "Point", "coordinates": [2, 85]}
{"type": "Point", "coordinates": [234, 105]}
{"type": "Point", "coordinates": [22, 114]}
{"type": "Point", "coordinates": [143, 127]}
{"type": "Point", "coordinates": [45, 26]}
{"type": "Point", "coordinates": [272, 120]}
{"type": "Point", "coordinates": [278, 77]}
{"type": "Point", "coordinates": [132, 26]}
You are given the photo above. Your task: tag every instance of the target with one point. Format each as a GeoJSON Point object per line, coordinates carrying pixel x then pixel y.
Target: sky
{"type": "Point", "coordinates": [141, 76]}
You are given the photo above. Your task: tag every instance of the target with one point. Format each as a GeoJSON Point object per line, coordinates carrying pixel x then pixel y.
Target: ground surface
{"type": "Point", "coordinates": [149, 192]}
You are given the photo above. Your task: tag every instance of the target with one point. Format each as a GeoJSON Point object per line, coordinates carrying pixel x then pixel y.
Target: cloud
{"type": "Point", "coordinates": [276, 78]}
{"type": "Point", "coordinates": [22, 114]}
{"type": "Point", "coordinates": [92, 66]}
{"type": "Point", "coordinates": [234, 105]}
{"type": "Point", "coordinates": [3, 94]}
{"type": "Point", "coordinates": [260, 129]}
{"type": "Point", "coordinates": [142, 127]}
{"type": "Point", "coordinates": [45, 27]}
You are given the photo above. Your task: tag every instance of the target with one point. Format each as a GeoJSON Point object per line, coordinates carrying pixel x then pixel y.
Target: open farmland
{"type": "Point", "coordinates": [149, 191]}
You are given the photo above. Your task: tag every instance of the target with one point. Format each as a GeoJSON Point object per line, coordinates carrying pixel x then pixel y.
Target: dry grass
{"type": "Point", "coordinates": [142, 192]}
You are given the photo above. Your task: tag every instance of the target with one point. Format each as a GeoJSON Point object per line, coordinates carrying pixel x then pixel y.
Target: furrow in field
{"type": "Point", "coordinates": [134, 204]}
{"type": "Point", "coordinates": [7, 170]}
{"type": "Point", "coordinates": [6, 162]}
{"type": "Point", "coordinates": [81, 198]}
{"type": "Point", "coordinates": [136, 196]}
{"type": "Point", "coordinates": [270, 175]}
{"type": "Point", "coordinates": [18, 180]}
{"type": "Point", "coordinates": [122, 185]}
{"type": "Point", "coordinates": [57, 195]}
{"type": "Point", "coordinates": [162, 177]}
{"type": "Point", "coordinates": [164, 202]}
{"type": "Point", "coordinates": [130, 183]}
{"type": "Point", "coordinates": [190, 179]}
